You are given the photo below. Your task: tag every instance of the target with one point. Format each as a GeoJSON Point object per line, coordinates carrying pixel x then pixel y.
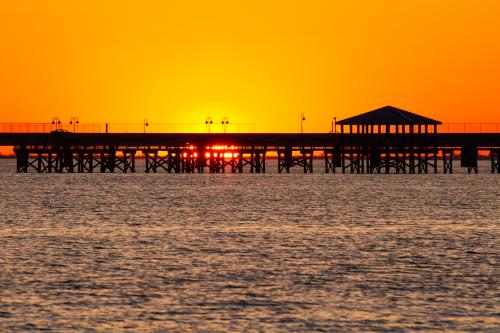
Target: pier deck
{"type": "Point", "coordinates": [198, 152]}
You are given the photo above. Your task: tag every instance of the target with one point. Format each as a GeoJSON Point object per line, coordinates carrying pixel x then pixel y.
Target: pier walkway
{"type": "Point", "coordinates": [385, 140]}
{"type": "Point", "coordinates": [215, 153]}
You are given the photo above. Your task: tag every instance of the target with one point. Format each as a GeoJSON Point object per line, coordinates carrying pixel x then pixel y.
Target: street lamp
{"type": "Point", "coordinates": [224, 123]}
{"type": "Point", "coordinates": [145, 124]}
{"type": "Point", "coordinates": [208, 122]}
{"type": "Point", "coordinates": [56, 121]}
{"type": "Point", "coordinates": [74, 121]}
{"type": "Point", "coordinates": [334, 125]}
{"type": "Point", "coordinates": [302, 119]}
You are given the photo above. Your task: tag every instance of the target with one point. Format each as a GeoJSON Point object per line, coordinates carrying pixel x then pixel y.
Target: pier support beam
{"type": "Point", "coordinates": [174, 160]}
{"type": "Point", "coordinates": [468, 159]}
{"type": "Point", "coordinates": [170, 162]}
{"type": "Point", "coordinates": [22, 159]}
{"type": "Point", "coordinates": [217, 162]}
{"type": "Point", "coordinates": [374, 161]}
{"type": "Point", "coordinates": [45, 160]}
{"type": "Point", "coordinates": [286, 160]}
{"type": "Point", "coordinates": [151, 159]}
{"type": "Point", "coordinates": [307, 160]}
{"type": "Point", "coordinates": [201, 161]}
{"type": "Point", "coordinates": [126, 162]}
{"type": "Point", "coordinates": [85, 161]}
{"type": "Point", "coordinates": [56, 160]}
{"type": "Point", "coordinates": [258, 161]}
{"type": "Point", "coordinates": [353, 159]}
{"type": "Point", "coordinates": [495, 160]}
{"type": "Point", "coordinates": [188, 161]}
{"type": "Point", "coordinates": [64, 161]}
{"type": "Point", "coordinates": [332, 160]}
{"type": "Point", "coordinates": [108, 160]}
{"type": "Point", "coordinates": [422, 161]}
{"type": "Point", "coordinates": [237, 162]}
{"type": "Point", "coordinates": [427, 158]}
{"type": "Point", "coordinates": [400, 162]}
{"type": "Point", "coordinates": [447, 160]}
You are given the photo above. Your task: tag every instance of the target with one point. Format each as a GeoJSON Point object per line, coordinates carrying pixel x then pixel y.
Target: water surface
{"type": "Point", "coordinates": [249, 252]}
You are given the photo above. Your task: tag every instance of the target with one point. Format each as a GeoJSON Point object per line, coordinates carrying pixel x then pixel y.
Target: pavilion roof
{"type": "Point", "coordinates": [388, 115]}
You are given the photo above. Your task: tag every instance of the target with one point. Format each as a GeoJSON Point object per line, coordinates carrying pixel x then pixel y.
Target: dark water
{"type": "Point", "coordinates": [250, 252]}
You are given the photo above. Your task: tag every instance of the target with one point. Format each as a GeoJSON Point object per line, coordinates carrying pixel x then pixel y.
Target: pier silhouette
{"type": "Point", "coordinates": [386, 140]}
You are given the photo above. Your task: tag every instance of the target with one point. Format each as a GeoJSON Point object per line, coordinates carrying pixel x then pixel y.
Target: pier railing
{"type": "Point", "coordinates": [445, 128]}
{"type": "Point", "coordinates": [151, 127]}
{"type": "Point", "coordinates": [157, 127]}
{"type": "Point", "coordinates": [469, 128]}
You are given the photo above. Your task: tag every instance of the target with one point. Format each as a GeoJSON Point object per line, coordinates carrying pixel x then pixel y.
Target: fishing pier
{"type": "Point", "coordinates": [386, 140]}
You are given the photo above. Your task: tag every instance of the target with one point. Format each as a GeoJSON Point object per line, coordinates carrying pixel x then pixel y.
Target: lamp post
{"type": "Point", "coordinates": [145, 124]}
{"type": "Point", "coordinates": [74, 121]}
{"type": "Point", "coordinates": [57, 122]}
{"type": "Point", "coordinates": [334, 125]}
{"type": "Point", "coordinates": [302, 119]}
{"type": "Point", "coordinates": [224, 123]}
{"type": "Point", "coordinates": [208, 122]}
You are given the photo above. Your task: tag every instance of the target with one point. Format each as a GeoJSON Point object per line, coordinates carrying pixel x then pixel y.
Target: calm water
{"type": "Point", "coordinates": [248, 252]}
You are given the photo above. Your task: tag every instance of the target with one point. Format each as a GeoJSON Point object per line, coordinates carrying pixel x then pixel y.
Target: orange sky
{"type": "Point", "coordinates": [253, 61]}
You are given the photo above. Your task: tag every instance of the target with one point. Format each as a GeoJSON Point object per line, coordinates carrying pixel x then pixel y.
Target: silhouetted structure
{"type": "Point", "coordinates": [387, 140]}
{"type": "Point", "coordinates": [388, 120]}
{"type": "Point", "coordinates": [413, 156]}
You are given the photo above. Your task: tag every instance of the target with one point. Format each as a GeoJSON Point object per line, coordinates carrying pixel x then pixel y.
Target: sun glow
{"type": "Point", "coordinates": [220, 147]}
{"type": "Point", "coordinates": [261, 62]}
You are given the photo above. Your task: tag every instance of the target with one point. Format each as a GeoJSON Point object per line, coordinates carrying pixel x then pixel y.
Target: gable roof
{"type": "Point", "coordinates": [388, 115]}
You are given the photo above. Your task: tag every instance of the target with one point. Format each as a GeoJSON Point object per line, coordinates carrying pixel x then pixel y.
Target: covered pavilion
{"type": "Point", "coordinates": [388, 119]}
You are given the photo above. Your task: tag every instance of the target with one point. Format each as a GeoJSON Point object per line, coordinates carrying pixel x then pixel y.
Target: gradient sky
{"type": "Point", "coordinates": [253, 61]}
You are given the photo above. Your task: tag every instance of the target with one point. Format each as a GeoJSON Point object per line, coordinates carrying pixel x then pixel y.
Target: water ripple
{"type": "Point", "coordinates": [256, 253]}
